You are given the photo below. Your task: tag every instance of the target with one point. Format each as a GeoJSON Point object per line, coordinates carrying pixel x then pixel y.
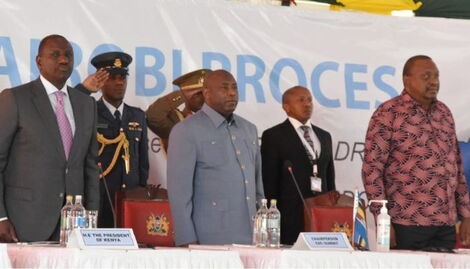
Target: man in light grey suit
{"type": "Point", "coordinates": [48, 148]}
{"type": "Point", "coordinates": [214, 169]}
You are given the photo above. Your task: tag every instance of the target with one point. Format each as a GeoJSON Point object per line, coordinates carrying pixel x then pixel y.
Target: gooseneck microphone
{"type": "Point", "coordinates": [288, 166]}
{"type": "Point", "coordinates": [110, 200]}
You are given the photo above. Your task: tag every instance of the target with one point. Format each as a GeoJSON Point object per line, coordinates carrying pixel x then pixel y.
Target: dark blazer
{"type": "Point", "coordinates": [35, 176]}
{"type": "Point", "coordinates": [281, 143]}
{"type": "Point", "coordinates": [135, 127]}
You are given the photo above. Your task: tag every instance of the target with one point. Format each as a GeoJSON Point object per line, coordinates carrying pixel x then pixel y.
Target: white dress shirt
{"type": "Point", "coordinates": [112, 108]}
{"type": "Point", "coordinates": [51, 89]}
{"type": "Point", "coordinates": [316, 143]}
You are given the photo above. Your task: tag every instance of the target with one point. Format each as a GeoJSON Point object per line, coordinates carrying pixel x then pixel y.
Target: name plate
{"type": "Point", "coordinates": [103, 238]}
{"type": "Point", "coordinates": [322, 241]}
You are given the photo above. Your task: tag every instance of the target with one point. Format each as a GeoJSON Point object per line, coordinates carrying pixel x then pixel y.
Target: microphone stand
{"type": "Point", "coordinates": [108, 195]}
{"type": "Point", "coordinates": [288, 165]}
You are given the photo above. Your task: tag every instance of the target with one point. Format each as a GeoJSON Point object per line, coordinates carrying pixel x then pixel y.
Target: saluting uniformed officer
{"type": "Point", "coordinates": [122, 134]}
{"type": "Point", "coordinates": [166, 111]}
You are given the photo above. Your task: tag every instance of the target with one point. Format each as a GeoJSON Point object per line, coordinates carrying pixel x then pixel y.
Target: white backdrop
{"type": "Point", "coordinates": [351, 61]}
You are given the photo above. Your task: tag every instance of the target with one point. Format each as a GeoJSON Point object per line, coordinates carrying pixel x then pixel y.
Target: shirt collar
{"type": "Point", "coordinates": [408, 98]}
{"type": "Point", "coordinates": [297, 123]}
{"type": "Point", "coordinates": [215, 116]}
{"type": "Point", "coordinates": [111, 108]}
{"type": "Point", "coordinates": [51, 89]}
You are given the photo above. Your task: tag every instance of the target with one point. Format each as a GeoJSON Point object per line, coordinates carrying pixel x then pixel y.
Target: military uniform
{"type": "Point", "coordinates": [164, 113]}
{"type": "Point", "coordinates": [134, 126]}
{"type": "Point", "coordinates": [123, 151]}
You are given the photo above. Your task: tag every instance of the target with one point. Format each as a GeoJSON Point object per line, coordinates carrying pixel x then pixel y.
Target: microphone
{"type": "Point", "coordinates": [110, 200]}
{"type": "Point", "coordinates": [288, 165]}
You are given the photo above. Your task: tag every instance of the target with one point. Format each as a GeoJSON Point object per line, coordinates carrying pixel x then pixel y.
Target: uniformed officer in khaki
{"type": "Point", "coordinates": [168, 110]}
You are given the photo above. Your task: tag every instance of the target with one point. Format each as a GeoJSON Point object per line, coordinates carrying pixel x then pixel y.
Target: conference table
{"type": "Point", "coordinates": [21, 256]}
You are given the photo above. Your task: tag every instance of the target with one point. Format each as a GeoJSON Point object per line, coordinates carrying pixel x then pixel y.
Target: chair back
{"type": "Point", "coordinates": [329, 212]}
{"type": "Point", "coordinates": [147, 212]}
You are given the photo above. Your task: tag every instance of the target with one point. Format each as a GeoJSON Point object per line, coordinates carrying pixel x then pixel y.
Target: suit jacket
{"type": "Point", "coordinates": [34, 172]}
{"type": "Point", "coordinates": [163, 114]}
{"type": "Point", "coordinates": [281, 143]}
{"type": "Point", "coordinates": [214, 178]}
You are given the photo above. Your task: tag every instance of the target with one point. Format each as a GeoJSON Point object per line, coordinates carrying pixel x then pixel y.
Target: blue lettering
{"type": "Point", "coordinates": [275, 76]}
{"type": "Point", "coordinates": [177, 63]}
{"type": "Point", "coordinates": [209, 57]}
{"type": "Point", "coordinates": [11, 68]}
{"type": "Point", "coordinates": [243, 79]}
{"type": "Point", "coordinates": [316, 90]}
{"type": "Point", "coordinates": [153, 70]}
{"type": "Point", "coordinates": [352, 86]}
{"type": "Point", "coordinates": [33, 52]}
{"type": "Point", "coordinates": [78, 57]}
{"type": "Point", "coordinates": [379, 72]}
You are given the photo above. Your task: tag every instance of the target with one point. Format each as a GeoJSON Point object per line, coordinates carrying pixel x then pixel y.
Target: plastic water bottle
{"type": "Point", "coordinates": [274, 225]}
{"type": "Point", "coordinates": [255, 229]}
{"type": "Point", "coordinates": [261, 235]}
{"type": "Point", "coordinates": [66, 225]}
{"type": "Point", "coordinates": [383, 227]}
{"type": "Point", "coordinates": [78, 213]}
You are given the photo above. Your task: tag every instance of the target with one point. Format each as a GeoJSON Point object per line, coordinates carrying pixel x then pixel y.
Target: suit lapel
{"type": "Point", "coordinates": [293, 140]}
{"type": "Point", "coordinates": [43, 105]}
{"type": "Point", "coordinates": [78, 118]}
{"type": "Point", "coordinates": [104, 112]}
{"type": "Point", "coordinates": [321, 139]}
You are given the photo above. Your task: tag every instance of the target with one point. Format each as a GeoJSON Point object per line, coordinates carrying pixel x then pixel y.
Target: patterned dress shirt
{"type": "Point", "coordinates": [412, 159]}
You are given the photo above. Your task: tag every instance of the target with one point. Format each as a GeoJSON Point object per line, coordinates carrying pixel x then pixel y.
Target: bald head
{"type": "Point", "coordinates": [421, 79]}
{"type": "Point", "coordinates": [220, 91]}
{"type": "Point", "coordinates": [291, 92]}
{"type": "Point", "coordinates": [411, 61]}
{"type": "Point", "coordinates": [297, 103]}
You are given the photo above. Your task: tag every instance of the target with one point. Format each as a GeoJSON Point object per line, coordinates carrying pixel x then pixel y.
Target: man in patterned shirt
{"type": "Point", "coordinates": [412, 159]}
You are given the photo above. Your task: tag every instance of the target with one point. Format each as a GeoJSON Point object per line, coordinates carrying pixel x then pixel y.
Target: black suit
{"type": "Point", "coordinates": [134, 125]}
{"type": "Point", "coordinates": [281, 143]}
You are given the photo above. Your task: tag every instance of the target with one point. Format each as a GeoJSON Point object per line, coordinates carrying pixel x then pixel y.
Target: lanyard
{"type": "Point", "coordinates": [312, 152]}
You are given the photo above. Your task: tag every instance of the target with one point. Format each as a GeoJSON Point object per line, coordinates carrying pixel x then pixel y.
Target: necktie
{"type": "Point", "coordinates": [64, 124]}
{"type": "Point", "coordinates": [117, 115]}
{"type": "Point", "coordinates": [309, 141]}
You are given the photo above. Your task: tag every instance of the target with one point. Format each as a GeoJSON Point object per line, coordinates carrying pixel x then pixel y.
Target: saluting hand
{"type": "Point", "coordinates": [189, 93]}
{"type": "Point", "coordinates": [95, 81]}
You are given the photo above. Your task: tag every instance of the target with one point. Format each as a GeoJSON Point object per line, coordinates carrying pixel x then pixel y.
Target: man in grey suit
{"type": "Point", "coordinates": [214, 169]}
{"type": "Point", "coordinates": [48, 148]}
